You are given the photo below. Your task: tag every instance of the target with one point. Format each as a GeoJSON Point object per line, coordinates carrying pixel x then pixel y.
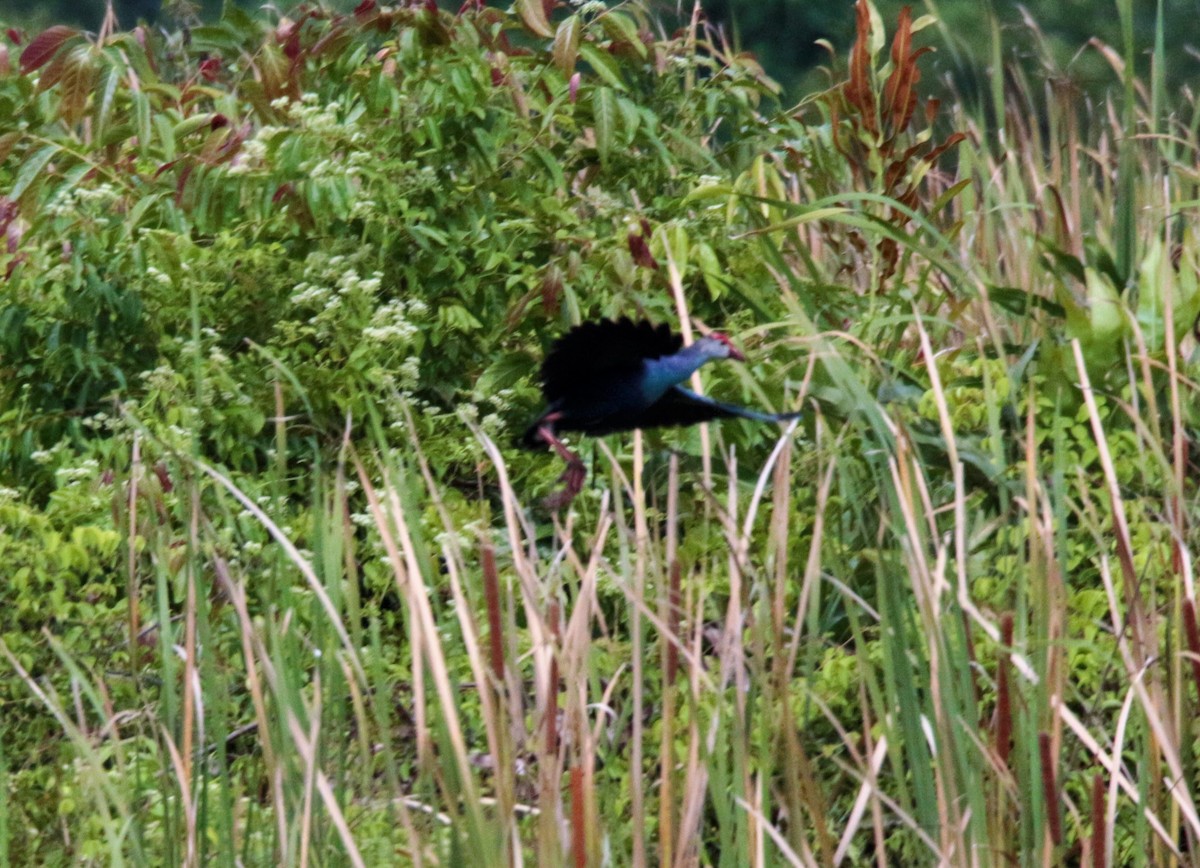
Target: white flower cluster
{"type": "Point", "coordinates": [164, 378]}
{"type": "Point", "coordinates": [67, 477]}
{"type": "Point", "coordinates": [76, 201]}
{"type": "Point", "coordinates": [158, 276]}
{"type": "Point", "coordinates": [101, 421]}
{"type": "Point", "coordinates": [329, 280]}
{"type": "Point", "coordinates": [409, 372]}
{"type": "Point", "coordinates": [308, 112]}
{"type": "Point", "coordinates": [392, 322]}
{"type": "Point", "coordinates": [253, 154]}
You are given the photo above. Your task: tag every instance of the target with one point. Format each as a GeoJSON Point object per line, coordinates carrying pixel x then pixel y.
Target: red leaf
{"type": "Point", "coordinates": [8, 211]}
{"type": "Point", "coordinates": [218, 121]}
{"type": "Point", "coordinates": [363, 9]}
{"type": "Point", "coordinates": [283, 192]}
{"type": "Point", "coordinates": [12, 265]}
{"type": "Point", "coordinates": [286, 30]}
{"type": "Point", "coordinates": [14, 36]}
{"type": "Point", "coordinates": [164, 478]}
{"type": "Point", "coordinates": [44, 46]}
{"type": "Point", "coordinates": [210, 67]}
{"type": "Point", "coordinates": [552, 287]}
{"type": "Point", "coordinates": [858, 88]}
{"type": "Point", "coordinates": [182, 183]}
{"type": "Point", "coordinates": [641, 251]}
{"type": "Point", "coordinates": [497, 77]}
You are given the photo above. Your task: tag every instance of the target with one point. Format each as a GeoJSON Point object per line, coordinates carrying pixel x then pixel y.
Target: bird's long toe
{"type": "Point", "coordinates": [572, 478]}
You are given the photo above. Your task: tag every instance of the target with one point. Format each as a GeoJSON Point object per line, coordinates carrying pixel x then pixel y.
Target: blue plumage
{"type": "Point", "coordinates": [618, 375]}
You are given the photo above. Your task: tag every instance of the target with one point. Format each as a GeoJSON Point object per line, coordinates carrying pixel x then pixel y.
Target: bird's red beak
{"type": "Point", "coordinates": [734, 352]}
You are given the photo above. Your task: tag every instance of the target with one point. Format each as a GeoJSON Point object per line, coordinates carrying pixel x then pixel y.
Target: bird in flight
{"type": "Point", "coordinates": [618, 375]}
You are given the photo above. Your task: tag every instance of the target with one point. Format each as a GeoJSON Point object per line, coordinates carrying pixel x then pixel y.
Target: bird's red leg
{"type": "Point", "coordinates": [576, 470]}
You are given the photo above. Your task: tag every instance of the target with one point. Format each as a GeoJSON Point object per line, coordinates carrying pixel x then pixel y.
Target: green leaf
{"type": "Point", "coordinates": [604, 119]}
{"type": "Point", "coordinates": [1020, 301]}
{"type": "Point", "coordinates": [31, 169]}
{"type": "Point", "coordinates": [621, 28]}
{"type": "Point", "coordinates": [533, 16]}
{"type": "Point", "coordinates": [108, 89]}
{"type": "Point", "coordinates": [603, 64]}
{"type": "Point", "coordinates": [565, 50]}
{"type": "Point", "coordinates": [192, 124]}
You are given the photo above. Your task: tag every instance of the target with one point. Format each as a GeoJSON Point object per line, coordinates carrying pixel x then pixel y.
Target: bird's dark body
{"type": "Point", "coordinates": [615, 375]}
{"type": "Point", "coordinates": [619, 375]}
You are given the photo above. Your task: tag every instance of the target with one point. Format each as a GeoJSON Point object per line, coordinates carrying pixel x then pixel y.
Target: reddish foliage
{"type": "Point", "coordinates": [641, 251]}
{"type": "Point", "coordinates": [12, 265]}
{"type": "Point", "coordinates": [491, 587]}
{"type": "Point", "coordinates": [283, 192]}
{"type": "Point", "coordinates": [1003, 699]}
{"type": "Point", "coordinates": [1192, 635]}
{"type": "Point", "coordinates": [578, 818]}
{"type": "Point", "coordinates": [9, 226]}
{"type": "Point", "coordinates": [210, 68]}
{"type": "Point", "coordinates": [182, 182]}
{"type": "Point", "coordinates": [44, 46]}
{"type": "Point", "coordinates": [551, 289]}
{"type": "Point", "coordinates": [1050, 788]}
{"type": "Point", "coordinates": [14, 36]}
{"type": "Point", "coordinates": [857, 89]}
{"type": "Point", "coordinates": [1099, 844]}
{"type": "Point", "coordinates": [872, 130]}
{"type": "Point", "coordinates": [164, 478]}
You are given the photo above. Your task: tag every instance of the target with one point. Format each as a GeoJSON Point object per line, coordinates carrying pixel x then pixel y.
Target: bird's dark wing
{"type": "Point", "coordinates": [595, 353]}
{"type": "Point", "coordinates": [680, 406]}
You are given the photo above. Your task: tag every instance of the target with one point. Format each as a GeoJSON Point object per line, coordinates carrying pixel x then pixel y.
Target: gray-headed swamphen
{"type": "Point", "coordinates": [618, 375]}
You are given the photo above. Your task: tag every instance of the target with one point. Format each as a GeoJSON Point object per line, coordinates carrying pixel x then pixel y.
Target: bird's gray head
{"type": "Point", "coordinates": [716, 345]}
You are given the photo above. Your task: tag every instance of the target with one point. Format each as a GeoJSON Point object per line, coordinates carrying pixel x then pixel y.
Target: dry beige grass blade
{"type": "Point", "coordinates": [389, 517]}
{"type": "Point", "coordinates": [1142, 648]}
{"type": "Point", "coordinates": [636, 762]}
{"type": "Point", "coordinates": [301, 563]}
{"type": "Point", "coordinates": [305, 743]}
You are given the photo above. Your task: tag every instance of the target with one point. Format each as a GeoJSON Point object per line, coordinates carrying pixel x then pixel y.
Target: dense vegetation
{"type": "Point", "coordinates": [792, 38]}
{"type": "Point", "coordinates": [279, 589]}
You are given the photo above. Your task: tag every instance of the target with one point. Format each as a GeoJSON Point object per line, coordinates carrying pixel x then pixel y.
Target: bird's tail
{"type": "Point", "coordinates": [755, 415]}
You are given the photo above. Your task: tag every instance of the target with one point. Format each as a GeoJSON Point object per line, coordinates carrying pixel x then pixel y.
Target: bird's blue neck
{"type": "Point", "coordinates": [668, 371]}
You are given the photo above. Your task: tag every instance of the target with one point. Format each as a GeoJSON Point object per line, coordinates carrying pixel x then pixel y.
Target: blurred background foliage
{"type": "Point", "coordinates": [787, 36]}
